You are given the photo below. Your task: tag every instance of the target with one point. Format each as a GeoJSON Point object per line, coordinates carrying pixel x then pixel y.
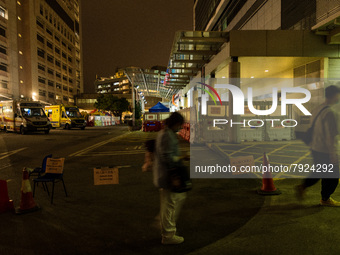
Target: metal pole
{"type": "Point", "coordinates": [133, 104]}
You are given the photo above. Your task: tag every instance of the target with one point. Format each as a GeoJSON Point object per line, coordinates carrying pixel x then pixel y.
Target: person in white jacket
{"type": "Point", "coordinates": [324, 149]}
{"type": "Point", "coordinates": [166, 157]}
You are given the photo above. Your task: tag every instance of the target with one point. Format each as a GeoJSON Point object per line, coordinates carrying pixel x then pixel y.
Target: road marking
{"type": "Point", "coordinates": [269, 153]}
{"type": "Point", "coordinates": [127, 166]}
{"type": "Point", "coordinates": [240, 150]}
{"type": "Point", "coordinates": [5, 166]}
{"type": "Point", "coordinates": [81, 152]}
{"type": "Point", "coordinates": [112, 153]}
{"type": "Point", "coordinates": [298, 161]}
{"type": "Point", "coordinates": [9, 153]}
{"type": "Point", "coordinates": [219, 148]}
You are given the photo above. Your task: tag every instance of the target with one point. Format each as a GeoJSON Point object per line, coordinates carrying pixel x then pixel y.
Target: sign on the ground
{"type": "Point", "coordinates": [55, 165]}
{"type": "Point", "coordinates": [106, 175]}
{"type": "Point", "coordinates": [242, 161]}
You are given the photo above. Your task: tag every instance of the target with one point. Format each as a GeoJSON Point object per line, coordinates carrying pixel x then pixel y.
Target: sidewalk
{"type": "Point", "coordinates": [285, 226]}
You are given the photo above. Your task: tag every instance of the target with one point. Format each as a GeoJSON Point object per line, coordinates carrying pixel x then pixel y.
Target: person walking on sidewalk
{"type": "Point", "coordinates": [324, 149]}
{"type": "Point", "coordinates": [166, 157]}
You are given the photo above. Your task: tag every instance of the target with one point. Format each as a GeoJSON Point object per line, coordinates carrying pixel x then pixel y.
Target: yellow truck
{"type": "Point", "coordinates": [66, 117]}
{"type": "Point", "coordinates": [23, 117]}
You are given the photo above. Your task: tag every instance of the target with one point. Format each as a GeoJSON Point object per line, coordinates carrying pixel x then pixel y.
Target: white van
{"type": "Point", "coordinates": [23, 117]}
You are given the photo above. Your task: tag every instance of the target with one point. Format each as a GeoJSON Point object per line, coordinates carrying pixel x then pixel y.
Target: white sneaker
{"type": "Point", "coordinates": [330, 202]}
{"type": "Point", "coordinates": [173, 240]}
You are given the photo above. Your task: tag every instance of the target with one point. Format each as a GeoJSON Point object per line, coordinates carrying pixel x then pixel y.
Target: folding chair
{"type": "Point", "coordinates": [40, 170]}
{"type": "Point", "coordinates": [49, 177]}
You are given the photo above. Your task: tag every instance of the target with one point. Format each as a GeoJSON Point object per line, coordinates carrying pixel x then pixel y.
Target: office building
{"type": "Point", "coordinates": [41, 50]}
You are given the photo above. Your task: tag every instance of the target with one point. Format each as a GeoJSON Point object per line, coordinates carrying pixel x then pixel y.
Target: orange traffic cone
{"type": "Point", "coordinates": [268, 187]}
{"type": "Point", "coordinates": [27, 203]}
{"type": "Point", "coordinates": [6, 205]}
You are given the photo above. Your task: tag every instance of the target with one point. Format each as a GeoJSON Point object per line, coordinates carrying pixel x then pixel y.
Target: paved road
{"type": "Point", "coordinates": [111, 219]}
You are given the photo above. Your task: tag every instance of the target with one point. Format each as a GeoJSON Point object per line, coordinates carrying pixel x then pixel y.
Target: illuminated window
{"type": "Point", "coordinates": [2, 12]}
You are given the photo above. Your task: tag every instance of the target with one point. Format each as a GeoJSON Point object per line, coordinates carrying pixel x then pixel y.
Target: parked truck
{"type": "Point", "coordinates": [23, 117]}
{"type": "Point", "coordinates": [66, 117]}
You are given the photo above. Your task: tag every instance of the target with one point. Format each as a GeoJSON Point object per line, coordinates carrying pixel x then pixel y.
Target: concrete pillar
{"type": "Point", "coordinates": [234, 79]}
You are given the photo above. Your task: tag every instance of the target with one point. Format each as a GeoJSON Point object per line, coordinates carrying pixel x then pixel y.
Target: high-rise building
{"type": "Point", "coordinates": [40, 50]}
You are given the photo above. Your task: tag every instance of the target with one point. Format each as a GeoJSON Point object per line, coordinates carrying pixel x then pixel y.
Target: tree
{"type": "Point", "coordinates": [138, 110]}
{"type": "Point", "coordinates": [109, 102]}
{"type": "Point", "coordinates": [119, 106]}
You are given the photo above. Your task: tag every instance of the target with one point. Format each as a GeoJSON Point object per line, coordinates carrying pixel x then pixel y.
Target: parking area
{"type": "Point", "coordinates": [280, 153]}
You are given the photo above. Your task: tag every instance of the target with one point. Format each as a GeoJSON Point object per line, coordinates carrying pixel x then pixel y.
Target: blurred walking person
{"type": "Point", "coordinates": [324, 149]}
{"type": "Point", "coordinates": [167, 157]}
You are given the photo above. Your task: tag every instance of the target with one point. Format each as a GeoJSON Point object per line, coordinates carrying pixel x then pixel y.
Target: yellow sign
{"type": "Point", "coordinates": [242, 161]}
{"type": "Point", "coordinates": [55, 165]}
{"type": "Point", "coordinates": [106, 175]}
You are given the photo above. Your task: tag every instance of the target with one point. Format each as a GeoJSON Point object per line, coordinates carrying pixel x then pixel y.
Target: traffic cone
{"type": "Point", "coordinates": [6, 205]}
{"type": "Point", "coordinates": [268, 187]}
{"type": "Point", "coordinates": [27, 203]}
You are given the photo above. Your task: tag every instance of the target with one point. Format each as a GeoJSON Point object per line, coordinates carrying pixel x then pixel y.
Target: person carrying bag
{"type": "Point", "coordinates": [171, 177]}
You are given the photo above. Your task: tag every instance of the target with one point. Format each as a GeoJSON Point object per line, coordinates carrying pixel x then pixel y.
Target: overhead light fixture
{"type": "Point", "coordinates": [223, 76]}
{"type": "Point", "coordinates": [266, 71]}
{"type": "Point", "coordinates": [252, 77]}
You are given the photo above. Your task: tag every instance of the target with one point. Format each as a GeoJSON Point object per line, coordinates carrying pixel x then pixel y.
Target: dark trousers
{"type": "Point", "coordinates": [329, 181]}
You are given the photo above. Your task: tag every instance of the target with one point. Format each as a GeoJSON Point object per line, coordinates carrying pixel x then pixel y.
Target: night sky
{"type": "Point", "coordinates": [121, 33]}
